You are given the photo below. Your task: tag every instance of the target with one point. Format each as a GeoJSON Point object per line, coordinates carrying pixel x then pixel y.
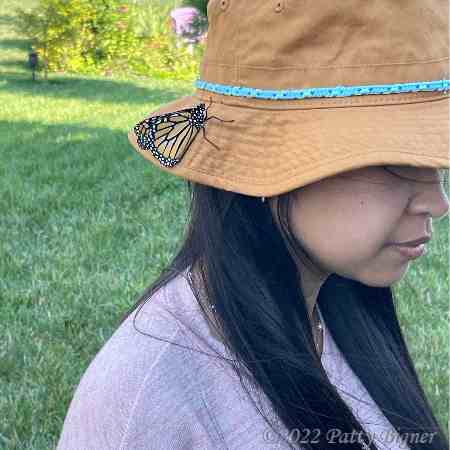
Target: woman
{"type": "Point", "coordinates": [274, 326]}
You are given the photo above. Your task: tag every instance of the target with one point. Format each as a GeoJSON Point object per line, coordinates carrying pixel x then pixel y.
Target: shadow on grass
{"type": "Point", "coordinates": [21, 65]}
{"type": "Point", "coordinates": [86, 88]}
{"type": "Point", "coordinates": [48, 167]}
{"type": "Point", "coordinates": [15, 44]}
{"type": "Point", "coordinates": [7, 19]}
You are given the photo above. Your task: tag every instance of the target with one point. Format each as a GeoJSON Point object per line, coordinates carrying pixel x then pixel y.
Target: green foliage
{"type": "Point", "coordinates": [161, 58]}
{"type": "Point", "coordinates": [102, 36]}
{"type": "Point", "coordinates": [162, 54]}
{"type": "Point", "coordinates": [80, 35]}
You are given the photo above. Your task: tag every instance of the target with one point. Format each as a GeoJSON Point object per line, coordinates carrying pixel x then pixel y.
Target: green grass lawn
{"type": "Point", "coordinates": [86, 224]}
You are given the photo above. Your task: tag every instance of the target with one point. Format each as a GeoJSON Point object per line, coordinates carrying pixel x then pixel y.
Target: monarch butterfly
{"type": "Point", "coordinates": [168, 136]}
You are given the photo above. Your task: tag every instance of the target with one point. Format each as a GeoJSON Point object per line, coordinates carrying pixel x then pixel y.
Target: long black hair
{"type": "Point", "coordinates": [246, 264]}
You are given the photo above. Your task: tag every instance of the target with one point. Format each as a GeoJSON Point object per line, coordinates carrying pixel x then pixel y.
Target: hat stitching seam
{"type": "Point", "coordinates": [286, 177]}
{"type": "Point", "coordinates": [335, 103]}
{"type": "Point", "coordinates": [316, 167]}
{"type": "Point", "coordinates": [430, 61]}
{"type": "Point", "coordinates": [362, 99]}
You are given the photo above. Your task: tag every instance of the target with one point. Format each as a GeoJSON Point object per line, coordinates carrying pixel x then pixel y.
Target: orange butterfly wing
{"type": "Point", "coordinates": [169, 136]}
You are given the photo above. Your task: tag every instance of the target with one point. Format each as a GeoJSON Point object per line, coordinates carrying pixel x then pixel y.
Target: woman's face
{"type": "Point", "coordinates": [347, 222]}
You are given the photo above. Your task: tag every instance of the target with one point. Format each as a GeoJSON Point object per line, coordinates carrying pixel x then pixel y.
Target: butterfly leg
{"type": "Point", "coordinates": [214, 117]}
{"type": "Point", "coordinates": [204, 136]}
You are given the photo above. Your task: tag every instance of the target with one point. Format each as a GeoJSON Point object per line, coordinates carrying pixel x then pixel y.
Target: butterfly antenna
{"type": "Point", "coordinates": [210, 101]}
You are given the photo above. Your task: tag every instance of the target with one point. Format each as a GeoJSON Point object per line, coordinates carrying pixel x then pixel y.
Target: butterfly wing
{"type": "Point", "coordinates": [168, 136]}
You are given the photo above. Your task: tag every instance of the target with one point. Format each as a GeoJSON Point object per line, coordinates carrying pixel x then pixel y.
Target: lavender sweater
{"type": "Point", "coordinates": [141, 393]}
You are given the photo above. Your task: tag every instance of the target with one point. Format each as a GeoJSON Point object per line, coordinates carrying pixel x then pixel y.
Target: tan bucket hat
{"type": "Point", "coordinates": [294, 91]}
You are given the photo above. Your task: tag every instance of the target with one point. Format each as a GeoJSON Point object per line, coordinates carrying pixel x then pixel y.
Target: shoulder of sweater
{"type": "Point", "coordinates": [175, 306]}
{"type": "Point", "coordinates": [149, 371]}
{"type": "Point", "coordinates": [169, 333]}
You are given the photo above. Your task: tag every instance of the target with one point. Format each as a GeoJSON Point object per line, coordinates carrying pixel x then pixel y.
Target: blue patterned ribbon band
{"type": "Point", "coordinates": [338, 91]}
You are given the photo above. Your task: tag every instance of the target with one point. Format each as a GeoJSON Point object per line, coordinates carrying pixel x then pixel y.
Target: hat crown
{"type": "Point", "coordinates": [294, 44]}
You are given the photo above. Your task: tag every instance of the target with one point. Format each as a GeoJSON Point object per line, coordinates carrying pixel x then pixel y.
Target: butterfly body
{"type": "Point", "coordinates": [168, 136]}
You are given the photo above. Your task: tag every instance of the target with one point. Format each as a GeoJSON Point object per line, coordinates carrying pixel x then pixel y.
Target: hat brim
{"type": "Point", "coordinates": [267, 152]}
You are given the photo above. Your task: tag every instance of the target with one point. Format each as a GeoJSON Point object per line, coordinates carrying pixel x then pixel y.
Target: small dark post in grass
{"type": "Point", "coordinates": [33, 62]}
